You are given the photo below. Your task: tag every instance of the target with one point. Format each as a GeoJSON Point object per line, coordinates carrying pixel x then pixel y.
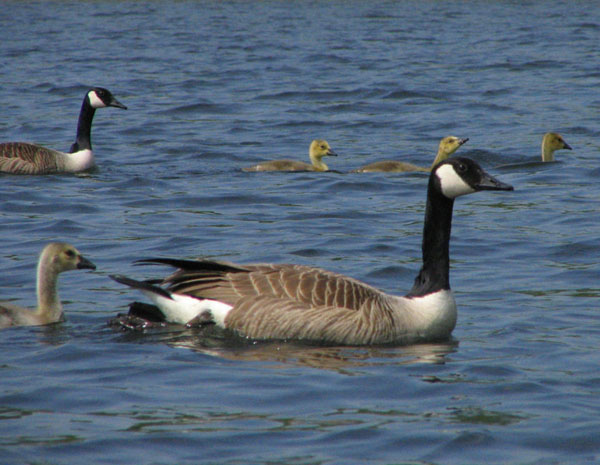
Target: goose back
{"type": "Point", "coordinates": [26, 158]}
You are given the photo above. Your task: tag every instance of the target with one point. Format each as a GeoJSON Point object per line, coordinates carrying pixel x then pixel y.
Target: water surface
{"type": "Point", "coordinates": [215, 86]}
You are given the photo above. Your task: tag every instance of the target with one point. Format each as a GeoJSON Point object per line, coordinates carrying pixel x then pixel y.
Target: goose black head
{"type": "Point", "coordinates": [99, 97]}
{"type": "Point", "coordinates": [459, 176]}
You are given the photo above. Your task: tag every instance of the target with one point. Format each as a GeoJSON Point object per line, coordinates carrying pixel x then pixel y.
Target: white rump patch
{"type": "Point", "coordinates": [183, 308]}
{"type": "Point", "coordinates": [452, 184]}
{"type": "Point", "coordinates": [95, 101]}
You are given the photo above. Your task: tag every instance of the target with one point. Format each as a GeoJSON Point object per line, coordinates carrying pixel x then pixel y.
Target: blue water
{"type": "Point", "coordinates": [215, 86]}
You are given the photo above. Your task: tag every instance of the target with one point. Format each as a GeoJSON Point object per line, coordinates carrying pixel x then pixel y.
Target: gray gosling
{"type": "Point", "coordinates": [448, 145]}
{"type": "Point", "coordinates": [285, 302]}
{"type": "Point", "coordinates": [54, 259]}
{"type": "Point", "coordinates": [26, 158]}
{"type": "Point", "coordinates": [552, 142]}
{"type": "Point", "coordinates": [317, 150]}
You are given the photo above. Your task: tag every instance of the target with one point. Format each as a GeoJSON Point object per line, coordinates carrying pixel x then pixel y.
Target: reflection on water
{"type": "Point", "coordinates": [212, 341]}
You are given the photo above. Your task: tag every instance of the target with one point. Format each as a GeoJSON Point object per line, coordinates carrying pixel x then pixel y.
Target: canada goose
{"type": "Point", "coordinates": [550, 143]}
{"type": "Point", "coordinates": [448, 145]}
{"type": "Point", "coordinates": [54, 259]}
{"type": "Point", "coordinates": [26, 158]}
{"type": "Point", "coordinates": [270, 301]}
{"type": "Point", "coordinates": [317, 150]}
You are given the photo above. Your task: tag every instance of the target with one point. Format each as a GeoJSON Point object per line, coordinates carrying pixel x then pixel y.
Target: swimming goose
{"type": "Point", "coordinates": [26, 158]}
{"type": "Point", "coordinates": [271, 301]}
{"type": "Point", "coordinates": [550, 143]}
{"type": "Point", "coordinates": [448, 145]}
{"type": "Point", "coordinates": [317, 150]}
{"type": "Point", "coordinates": [54, 259]}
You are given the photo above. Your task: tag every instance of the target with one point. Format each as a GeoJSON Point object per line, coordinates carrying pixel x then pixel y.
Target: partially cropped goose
{"type": "Point", "coordinates": [317, 150]}
{"type": "Point", "coordinates": [550, 143]}
{"type": "Point", "coordinates": [54, 259]}
{"type": "Point", "coordinates": [26, 158]}
{"type": "Point", "coordinates": [448, 145]}
{"type": "Point", "coordinates": [269, 301]}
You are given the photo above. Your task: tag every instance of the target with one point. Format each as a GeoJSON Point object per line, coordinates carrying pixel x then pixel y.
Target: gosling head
{"type": "Point", "coordinates": [460, 176]}
{"type": "Point", "coordinates": [450, 144]}
{"type": "Point", "coordinates": [99, 97]}
{"type": "Point", "coordinates": [320, 148]}
{"type": "Point", "coordinates": [64, 257]}
{"type": "Point", "coordinates": [550, 143]}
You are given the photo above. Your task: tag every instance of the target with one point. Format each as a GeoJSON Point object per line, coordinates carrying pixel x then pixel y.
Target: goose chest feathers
{"type": "Point", "coordinates": [284, 301]}
{"type": "Point", "coordinates": [26, 158]}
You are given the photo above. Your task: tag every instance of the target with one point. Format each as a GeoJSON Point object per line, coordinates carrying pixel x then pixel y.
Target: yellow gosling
{"type": "Point", "coordinates": [318, 149]}
{"type": "Point", "coordinates": [448, 145]}
{"type": "Point", "coordinates": [54, 259]}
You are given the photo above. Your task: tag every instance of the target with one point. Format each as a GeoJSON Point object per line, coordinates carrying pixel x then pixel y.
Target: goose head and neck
{"type": "Point", "coordinates": [98, 97]}
{"type": "Point", "coordinates": [550, 143]}
{"type": "Point", "coordinates": [54, 259]}
{"type": "Point", "coordinates": [449, 179]}
{"type": "Point", "coordinates": [317, 150]}
{"type": "Point", "coordinates": [448, 145]}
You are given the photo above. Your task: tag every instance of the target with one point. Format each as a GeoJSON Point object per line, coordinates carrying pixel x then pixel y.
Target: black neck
{"type": "Point", "coordinates": [84, 127]}
{"type": "Point", "coordinates": [435, 272]}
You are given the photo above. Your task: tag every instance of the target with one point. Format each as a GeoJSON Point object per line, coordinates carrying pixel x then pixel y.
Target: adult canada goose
{"type": "Point", "coordinates": [550, 143]}
{"type": "Point", "coordinates": [26, 158]}
{"type": "Point", "coordinates": [54, 259]}
{"type": "Point", "coordinates": [317, 150]}
{"type": "Point", "coordinates": [269, 301]}
{"type": "Point", "coordinates": [448, 145]}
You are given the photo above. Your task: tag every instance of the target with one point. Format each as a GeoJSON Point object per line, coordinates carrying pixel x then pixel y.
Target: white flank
{"type": "Point", "coordinates": [79, 161]}
{"type": "Point", "coordinates": [430, 316]}
{"type": "Point", "coordinates": [95, 101]}
{"type": "Point", "coordinates": [183, 308]}
{"type": "Point", "coordinates": [452, 184]}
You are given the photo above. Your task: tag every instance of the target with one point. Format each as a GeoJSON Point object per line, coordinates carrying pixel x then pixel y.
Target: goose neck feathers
{"type": "Point", "coordinates": [449, 179]}
{"type": "Point", "coordinates": [97, 97]}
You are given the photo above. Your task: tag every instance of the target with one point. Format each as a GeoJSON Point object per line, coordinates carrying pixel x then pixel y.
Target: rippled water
{"type": "Point", "coordinates": [215, 86]}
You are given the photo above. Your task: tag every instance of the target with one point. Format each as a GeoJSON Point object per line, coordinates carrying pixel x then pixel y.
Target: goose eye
{"type": "Point", "coordinates": [462, 167]}
{"type": "Point", "coordinates": [70, 253]}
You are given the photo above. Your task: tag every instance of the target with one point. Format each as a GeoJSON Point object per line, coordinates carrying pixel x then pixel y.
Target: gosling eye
{"type": "Point", "coordinates": [70, 253]}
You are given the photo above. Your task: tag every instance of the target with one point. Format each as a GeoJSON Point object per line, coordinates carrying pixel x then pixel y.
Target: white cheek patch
{"type": "Point", "coordinates": [452, 184]}
{"type": "Point", "coordinates": [95, 101]}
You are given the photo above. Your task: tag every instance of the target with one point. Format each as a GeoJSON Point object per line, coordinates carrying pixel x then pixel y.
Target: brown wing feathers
{"type": "Point", "coordinates": [25, 158]}
{"type": "Point", "coordinates": [229, 283]}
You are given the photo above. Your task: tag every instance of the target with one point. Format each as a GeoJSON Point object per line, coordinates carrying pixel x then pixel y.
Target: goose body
{"type": "Point", "coordinates": [27, 158]}
{"type": "Point", "coordinates": [448, 145]}
{"type": "Point", "coordinates": [552, 142]}
{"type": "Point", "coordinates": [317, 150]}
{"type": "Point", "coordinates": [55, 258]}
{"type": "Point", "coordinates": [285, 301]}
